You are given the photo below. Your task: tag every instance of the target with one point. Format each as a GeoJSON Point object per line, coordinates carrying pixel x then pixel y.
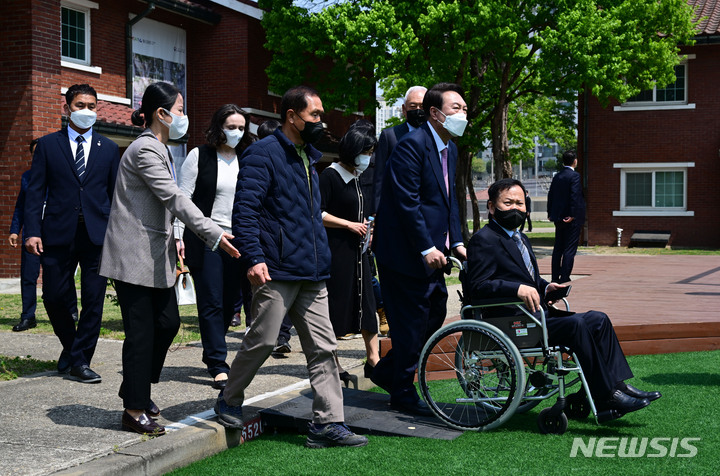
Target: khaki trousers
{"type": "Point", "coordinates": [307, 304]}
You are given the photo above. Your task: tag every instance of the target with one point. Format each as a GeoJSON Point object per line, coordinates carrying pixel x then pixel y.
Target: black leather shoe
{"type": "Point", "coordinates": [152, 410]}
{"type": "Point", "coordinates": [624, 403]}
{"type": "Point", "coordinates": [143, 425]}
{"type": "Point", "coordinates": [418, 408]}
{"type": "Point", "coordinates": [219, 384]}
{"type": "Point", "coordinates": [637, 393]}
{"type": "Point", "coordinates": [84, 374]}
{"type": "Point", "coordinates": [63, 365]}
{"type": "Point", "coordinates": [24, 325]}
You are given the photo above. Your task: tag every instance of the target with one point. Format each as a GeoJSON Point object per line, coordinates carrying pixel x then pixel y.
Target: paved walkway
{"type": "Point", "coordinates": [50, 424]}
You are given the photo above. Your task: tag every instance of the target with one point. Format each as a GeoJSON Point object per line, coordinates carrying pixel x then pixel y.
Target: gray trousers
{"type": "Point", "coordinates": [307, 304]}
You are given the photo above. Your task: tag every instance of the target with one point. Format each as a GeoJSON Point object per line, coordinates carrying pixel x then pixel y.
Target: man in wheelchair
{"type": "Point", "coordinates": [501, 263]}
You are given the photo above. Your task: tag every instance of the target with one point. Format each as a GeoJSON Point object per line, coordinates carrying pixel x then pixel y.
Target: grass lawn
{"type": "Point", "coordinates": [112, 326]}
{"type": "Point", "coordinates": [689, 409]}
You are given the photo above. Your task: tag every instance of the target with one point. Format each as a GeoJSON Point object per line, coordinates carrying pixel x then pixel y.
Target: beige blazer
{"type": "Point", "coordinates": [139, 244]}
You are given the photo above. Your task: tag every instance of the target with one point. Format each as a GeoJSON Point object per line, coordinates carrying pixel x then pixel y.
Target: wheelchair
{"type": "Point", "coordinates": [477, 372]}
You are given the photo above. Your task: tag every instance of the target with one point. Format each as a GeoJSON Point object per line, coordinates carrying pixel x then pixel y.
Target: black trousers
{"type": "Point", "coordinates": [415, 308]}
{"type": "Point", "coordinates": [151, 321]}
{"type": "Point", "coordinates": [567, 238]}
{"type": "Point", "coordinates": [592, 337]}
{"type": "Point", "coordinates": [59, 264]}
{"type": "Point", "coordinates": [29, 272]}
{"type": "Point", "coordinates": [217, 286]}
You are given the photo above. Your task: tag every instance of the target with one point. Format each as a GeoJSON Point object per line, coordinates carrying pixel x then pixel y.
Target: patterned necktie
{"type": "Point", "coordinates": [444, 162]}
{"type": "Point", "coordinates": [80, 156]}
{"type": "Point", "coordinates": [525, 253]}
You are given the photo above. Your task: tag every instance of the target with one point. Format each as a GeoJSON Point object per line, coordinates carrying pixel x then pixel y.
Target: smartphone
{"type": "Point", "coordinates": [558, 294]}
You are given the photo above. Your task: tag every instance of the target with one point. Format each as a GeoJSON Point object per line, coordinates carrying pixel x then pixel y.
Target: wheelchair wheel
{"type": "Point", "coordinates": [471, 375]}
{"type": "Point", "coordinates": [577, 406]}
{"type": "Point", "coordinates": [550, 421]}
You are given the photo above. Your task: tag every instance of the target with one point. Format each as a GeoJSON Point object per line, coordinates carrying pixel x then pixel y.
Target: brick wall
{"type": "Point", "coordinates": [658, 136]}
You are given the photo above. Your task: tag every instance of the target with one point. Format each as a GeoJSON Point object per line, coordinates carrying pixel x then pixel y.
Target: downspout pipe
{"type": "Point", "coordinates": [128, 49]}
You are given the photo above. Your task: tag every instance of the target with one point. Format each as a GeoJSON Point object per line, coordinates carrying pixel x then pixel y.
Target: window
{"type": "Point", "coordinates": [672, 96]}
{"type": "Point", "coordinates": [672, 93]}
{"type": "Point", "coordinates": [75, 23]}
{"type": "Point", "coordinates": [653, 189]}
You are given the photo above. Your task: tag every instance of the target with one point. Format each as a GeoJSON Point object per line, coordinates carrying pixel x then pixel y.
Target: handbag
{"type": "Point", "coordinates": [184, 285]}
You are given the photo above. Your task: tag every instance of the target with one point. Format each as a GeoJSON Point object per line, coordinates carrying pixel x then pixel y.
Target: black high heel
{"type": "Point", "coordinates": [368, 370]}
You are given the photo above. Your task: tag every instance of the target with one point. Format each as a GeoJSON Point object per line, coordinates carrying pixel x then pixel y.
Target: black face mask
{"type": "Point", "coordinates": [312, 132]}
{"type": "Point", "coordinates": [416, 117]}
{"type": "Point", "coordinates": [509, 219]}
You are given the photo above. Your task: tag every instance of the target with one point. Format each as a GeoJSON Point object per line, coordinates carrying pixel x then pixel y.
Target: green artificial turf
{"type": "Point", "coordinates": [689, 409]}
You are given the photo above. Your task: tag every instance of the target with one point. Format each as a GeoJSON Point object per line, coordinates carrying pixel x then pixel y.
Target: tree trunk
{"type": "Point", "coordinates": [500, 149]}
{"type": "Point", "coordinates": [463, 189]}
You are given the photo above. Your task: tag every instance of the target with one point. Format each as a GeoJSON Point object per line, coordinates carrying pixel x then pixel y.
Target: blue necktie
{"type": "Point", "coordinates": [80, 156]}
{"type": "Point", "coordinates": [525, 253]}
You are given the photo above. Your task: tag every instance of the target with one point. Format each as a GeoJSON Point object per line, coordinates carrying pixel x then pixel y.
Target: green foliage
{"type": "Point", "coordinates": [514, 59]}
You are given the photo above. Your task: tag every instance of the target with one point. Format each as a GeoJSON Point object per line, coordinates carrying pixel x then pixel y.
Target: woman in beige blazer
{"type": "Point", "coordinates": [139, 251]}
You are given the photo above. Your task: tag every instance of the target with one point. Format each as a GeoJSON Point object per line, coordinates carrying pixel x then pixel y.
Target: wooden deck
{"type": "Point", "coordinates": [658, 304]}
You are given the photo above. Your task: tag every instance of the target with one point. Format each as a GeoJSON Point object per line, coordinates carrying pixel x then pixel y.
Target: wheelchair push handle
{"type": "Point", "coordinates": [452, 262]}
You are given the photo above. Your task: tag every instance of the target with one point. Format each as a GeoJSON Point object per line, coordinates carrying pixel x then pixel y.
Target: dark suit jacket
{"type": "Point", "coordinates": [565, 198]}
{"type": "Point", "coordinates": [53, 172]}
{"type": "Point", "coordinates": [389, 138]}
{"type": "Point", "coordinates": [415, 212]}
{"type": "Point", "coordinates": [495, 265]}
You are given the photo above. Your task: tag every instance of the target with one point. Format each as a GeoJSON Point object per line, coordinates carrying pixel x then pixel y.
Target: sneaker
{"type": "Point", "coordinates": [228, 416]}
{"type": "Point", "coordinates": [282, 346]}
{"type": "Point", "coordinates": [384, 327]}
{"type": "Point", "coordinates": [333, 434]}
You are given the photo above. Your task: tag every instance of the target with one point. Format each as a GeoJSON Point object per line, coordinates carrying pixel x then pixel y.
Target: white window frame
{"type": "Point", "coordinates": [652, 210]}
{"type": "Point", "coordinates": [655, 105]}
{"type": "Point", "coordinates": [83, 6]}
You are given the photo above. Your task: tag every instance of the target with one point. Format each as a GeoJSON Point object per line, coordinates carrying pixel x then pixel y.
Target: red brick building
{"type": "Point", "coordinates": [653, 163]}
{"type": "Point", "coordinates": [214, 52]}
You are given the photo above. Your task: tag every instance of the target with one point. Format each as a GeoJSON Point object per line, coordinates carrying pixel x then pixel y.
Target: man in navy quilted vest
{"type": "Point", "coordinates": [277, 223]}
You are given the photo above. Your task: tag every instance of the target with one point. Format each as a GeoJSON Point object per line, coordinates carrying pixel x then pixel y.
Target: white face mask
{"type": "Point", "coordinates": [361, 163]}
{"type": "Point", "coordinates": [233, 136]}
{"type": "Point", "coordinates": [455, 124]}
{"type": "Point", "coordinates": [178, 127]}
{"type": "Point", "coordinates": [83, 118]}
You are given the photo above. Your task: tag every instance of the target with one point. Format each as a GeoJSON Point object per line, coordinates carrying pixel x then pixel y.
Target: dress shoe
{"type": "Point", "coordinates": [623, 403]}
{"type": "Point", "coordinates": [219, 384]}
{"type": "Point", "coordinates": [282, 346]}
{"type": "Point", "coordinates": [84, 374]}
{"type": "Point", "coordinates": [152, 410]}
{"type": "Point", "coordinates": [419, 408]}
{"type": "Point", "coordinates": [63, 365]}
{"type": "Point", "coordinates": [24, 325]}
{"type": "Point", "coordinates": [143, 425]}
{"type": "Point", "coordinates": [637, 393]}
